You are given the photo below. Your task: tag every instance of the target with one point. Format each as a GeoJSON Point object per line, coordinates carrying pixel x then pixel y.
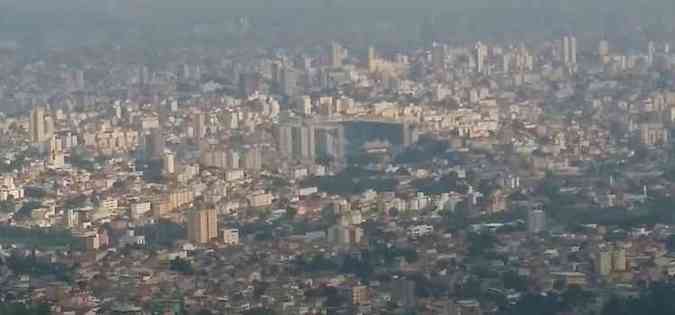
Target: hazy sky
{"type": "Point", "coordinates": [31, 20]}
{"type": "Point", "coordinates": [444, 4]}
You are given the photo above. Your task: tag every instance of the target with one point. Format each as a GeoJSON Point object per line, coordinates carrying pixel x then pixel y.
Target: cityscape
{"type": "Point", "coordinates": [323, 158]}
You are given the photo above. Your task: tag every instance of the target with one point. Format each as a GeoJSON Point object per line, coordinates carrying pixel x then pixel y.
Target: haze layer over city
{"type": "Point", "coordinates": [284, 157]}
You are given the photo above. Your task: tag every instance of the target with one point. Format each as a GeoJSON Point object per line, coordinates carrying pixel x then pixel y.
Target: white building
{"type": "Point", "coordinates": [139, 209]}
{"type": "Point", "coordinates": [420, 230]}
{"type": "Point", "coordinates": [230, 237]}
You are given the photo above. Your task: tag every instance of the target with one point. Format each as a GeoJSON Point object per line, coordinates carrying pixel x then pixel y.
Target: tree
{"type": "Point", "coordinates": [538, 304]}
{"type": "Point", "coordinates": [615, 306]}
{"type": "Point", "coordinates": [328, 215]}
{"type": "Point", "coordinates": [656, 300]}
{"type": "Point", "coordinates": [7, 206]}
{"type": "Point", "coordinates": [181, 265]}
{"type": "Point", "coordinates": [23, 309]}
{"type": "Point", "coordinates": [481, 243]}
{"type": "Point", "coordinates": [259, 311]}
{"type": "Point", "coordinates": [27, 209]}
{"type": "Point", "coordinates": [291, 212]}
{"type": "Point", "coordinates": [512, 280]}
{"type": "Point", "coordinates": [164, 233]}
{"type": "Point", "coordinates": [576, 298]}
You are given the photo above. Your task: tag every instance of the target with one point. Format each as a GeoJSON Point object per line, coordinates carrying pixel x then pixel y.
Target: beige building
{"type": "Point", "coordinates": [176, 199]}
{"type": "Point", "coordinates": [112, 141]}
{"type": "Point", "coordinates": [160, 206]}
{"type": "Point", "coordinates": [260, 199]}
{"type": "Point", "coordinates": [37, 125]}
{"type": "Point", "coordinates": [202, 225]}
{"type": "Point", "coordinates": [619, 262]}
{"type": "Point", "coordinates": [603, 262]}
{"type": "Point", "coordinates": [360, 295]}
{"type": "Point", "coordinates": [653, 134]}
{"type": "Point", "coordinates": [570, 278]}
{"type": "Point", "coordinates": [230, 237]}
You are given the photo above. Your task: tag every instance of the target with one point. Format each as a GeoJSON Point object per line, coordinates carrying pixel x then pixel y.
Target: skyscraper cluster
{"type": "Point", "coordinates": [308, 141]}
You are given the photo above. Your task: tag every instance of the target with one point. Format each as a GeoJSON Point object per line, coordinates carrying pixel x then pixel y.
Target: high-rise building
{"type": "Point", "coordinates": [202, 225]}
{"type": "Point", "coordinates": [168, 163]}
{"type": "Point", "coordinates": [49, 127]}
{"type": "Point", "coordinates": [409, 135]}
{"type": "Point", "coordinates": [310, 141]}
{"type": "Point", "coordinates": [56, 156]}
{"type": "Point", "coordinates": [330, 142]}
{"type": "Point", "coordinates": [603, 262]}
{"type": "Point", "coordinates": [619, 258]}
{"type": "Point", "coordinates": [198, 126]}
{"type": "Point", "coordinates": [276, 69]}
{"type": "Point", "coordinates": [372, 59]}
{"type": "Point", "coordinates": [37, 125]}
{"type": "Point", "coordinates": [303, 142]}
{"type": "Point", "coordinates": [536, 221]}
{"type": "Point", "coordinates": [506, 63]}
{"type": "Point", "coordinates": [480, 54]}
{"type": "Point", "coordinates": [154, 145]}
{"type": "Point", "coordinates": [336, 55]}
{"type": "Point", "coordinates": [248, 84]}
{"type": "Point", "coordinates": [438, 58]}
{"type": "Point", "coordinates": [403, 292]}
{"type": "Point", "coordinates": [603, 48]}
{"type": "Point", "coordinates": [303, 105]}
{"type": "Point", "coordinates": [289, 82]}
{"type": "Point", "coordinates": [651, 50]}
{"type": "Point", "coordinates": [233, 160]}
{"type": "Point", "coordinates": [565, 50]}
{"type": "Point", "coordinates": [253, 158]}
{"type": "Point", "coordinates": [285, 140]}
{"type": "Point", "coordinates": [71, 218]}
{"type": "Point", "coordinates": [569, 50]}
{"type": "Point", "coordinates": [573, 50]}
{"type": "Point", "coordinates": [232, 120]}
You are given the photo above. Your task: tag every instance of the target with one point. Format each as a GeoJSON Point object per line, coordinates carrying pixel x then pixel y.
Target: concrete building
{"type": "Point", "coordinates": [202, 225]}
{"type": "Point", "coordinates": [465, 307]}
{"type": "Point", "coordinates": [252, 158]}
{"type": "Point", "coordinates": [619, 262]}
{"type": "Point", "coordinates": [230, 237]}
{"type": "Point", "coordinates": [403, 293]}
{"type": "Point", "coordinates": [154, 145]}
{"type": "Point", "coordinates": [569, 50]}
{"type": "Point", "coordinates": [168, 163]}
{"type": "Point", "coordinates": [603, 262]}
{"type": "Point", "coordinates": [372, 60]}
{"type": "Point", "coordinates": [260, 199]}
{"type": "Point", "coordinates": [536, 221]}
{"type": "Point", "coordinates": [336, 55]}
{"type": "Point", "coordinates": [138, 209]}
{"type": "Point", "coordinates": [289, 82]}
{"type": "Point", "coordinates": [37, 125]}
{"type": "Point", "coordinates": [198, 126]}
{"type": "Point", "coordinates": [653, 134]}
{"type": "Point", "coordinates": [480, 55]}
{"type": "Point", "coordinates": [360, 295]}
